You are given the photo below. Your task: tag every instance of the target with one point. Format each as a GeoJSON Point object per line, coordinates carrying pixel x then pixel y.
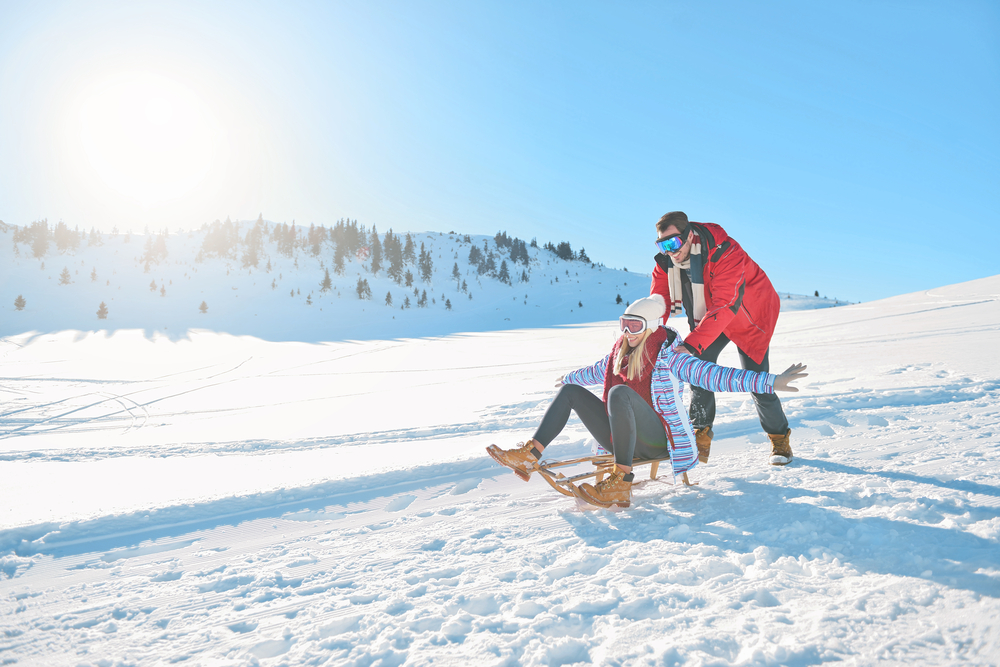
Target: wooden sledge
{"type": "Point", "coordinates": [603, 464]}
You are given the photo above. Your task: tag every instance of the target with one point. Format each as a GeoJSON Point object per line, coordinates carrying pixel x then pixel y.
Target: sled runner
{"type": "Point", "coordinates": [603, 464]}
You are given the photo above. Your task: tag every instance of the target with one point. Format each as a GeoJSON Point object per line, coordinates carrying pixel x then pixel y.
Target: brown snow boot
{"type": "Point", "coordinates": [703, 438]}
{"type": "Point", "coordinates": [615, 489]}
{"type": "Point", "coordinates": [781, 449]}
{"type": "Point", "coordinates": [521, 459]}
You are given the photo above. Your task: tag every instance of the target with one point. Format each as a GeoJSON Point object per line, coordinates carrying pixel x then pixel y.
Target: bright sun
{"type": "Point", "coordinates": [148, 137]}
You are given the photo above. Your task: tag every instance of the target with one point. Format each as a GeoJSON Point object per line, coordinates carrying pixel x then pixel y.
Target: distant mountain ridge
{"type": "Point", "coordinates": [282, 282]}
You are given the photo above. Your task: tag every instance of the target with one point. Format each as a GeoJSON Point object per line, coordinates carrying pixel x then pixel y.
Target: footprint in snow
{"type": "Point", "coordinates": [272, 648]}
{"type": "Point", "coordinates": [399, 504]}
{"type": "Point", "coordinates": [465, 486]}
{"type": "Point", "coordinates": [435, 545]}
{"type": "Point", "coordinates": [243, 626]}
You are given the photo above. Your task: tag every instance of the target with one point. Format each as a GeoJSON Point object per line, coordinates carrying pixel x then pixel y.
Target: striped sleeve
{"type": "Point", "coordinates": [714, 377]}
{"type": "Point", "coordinates": [590, 375]}
{"type": "Point", "coordinates": [668, 401]}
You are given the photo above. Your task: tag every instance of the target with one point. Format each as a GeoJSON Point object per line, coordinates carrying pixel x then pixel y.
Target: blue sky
{"type": "Point", "coordinates": [851, 147]}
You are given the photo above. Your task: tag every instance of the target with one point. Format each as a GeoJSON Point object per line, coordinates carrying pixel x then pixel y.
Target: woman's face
{"type": "Point", "coordinates": [633, 339]}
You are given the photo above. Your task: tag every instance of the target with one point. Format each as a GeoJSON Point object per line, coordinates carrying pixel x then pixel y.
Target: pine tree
{"type": "Point", "coordinates": [504, 274]}
{"type": "Point", "coordinates": [309, 300]}
{"type": "Point", "coordinates": [93, 275]}
{"type": "Point", "coordinates": [203, 307]}
{"type": "Point", "coordinates": [338, 258]}
{"type": "Point", "coordinates": [64, 278]}
{"type": "Point", "coordinates": [363, 289]}
{"type": "Point", "coordinates": [475, 256]}
{"type": "Point", "coordinates": [394, 255]}
{"type": "Point", "coordinates": [408, 252]}
{"type": "Point", "coordinates": [254, 244]}
{"type": "Point", "coordinates": [376, 249]}
{"type": "Point", "coordinates": [327, 284]}
{"type": "Point", "coordinates": [406, 302]}
{"type": "Point", "coordinates": [408, 278]}
{"type": "Point", "coordinates": [40, 237]}
{"type": "Point", "coordinates": [426, 265]}
{"type": "Point", "coordinates": [152, 286]}
{"type": "Point", "coordinates": [20, 303]}
{"type": "Point", "coordinates": [465, 286]}
{"type": "Point", "coordinates": [102, 311]}
{"type": "Point", "coordinates": [447, 304]}
{"type": "Point", "coordinates": [455, 273]}
{"type": "Point", "coordinates": [618, 298]}
{"type": "Point", "coordinates": [388, 298]}
{"type": "Point", "coordinates": [163, 290]}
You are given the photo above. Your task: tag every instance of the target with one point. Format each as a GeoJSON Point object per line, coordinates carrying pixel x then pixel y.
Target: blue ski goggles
{"type": "Point", "coordinates": [672, 243]}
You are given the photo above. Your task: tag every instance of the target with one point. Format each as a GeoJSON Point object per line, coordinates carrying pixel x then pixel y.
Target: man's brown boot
{"type": "Point", "coordinates": [521, 459]}
{"type": "Point", "coordinates": [703, 438]}
{"type": "Point", "coordinates": [781, 449]}
{"type": "Point", "coordinates": [615, 489]}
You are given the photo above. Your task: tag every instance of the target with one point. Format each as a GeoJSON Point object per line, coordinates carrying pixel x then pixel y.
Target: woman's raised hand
{"type": "Point", "coordinates": [791, 374]}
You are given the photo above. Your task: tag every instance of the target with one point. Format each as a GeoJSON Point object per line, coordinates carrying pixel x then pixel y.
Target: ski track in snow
{"type": "Point", "coordinates": [345, 545]}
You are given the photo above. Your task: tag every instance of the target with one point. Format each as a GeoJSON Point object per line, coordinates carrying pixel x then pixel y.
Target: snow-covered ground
{"type": "Point", "coordinates": [214, 498]}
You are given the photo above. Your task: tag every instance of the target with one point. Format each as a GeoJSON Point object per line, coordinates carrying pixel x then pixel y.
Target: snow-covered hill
{"type": "Point", "coordinates": [220, 499]}
{"type": "Point", "coordinates": [282, 297]}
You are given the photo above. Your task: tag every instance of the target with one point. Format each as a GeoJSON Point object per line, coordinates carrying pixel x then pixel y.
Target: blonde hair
{"type": "Point", "coordinates": [636, 362]}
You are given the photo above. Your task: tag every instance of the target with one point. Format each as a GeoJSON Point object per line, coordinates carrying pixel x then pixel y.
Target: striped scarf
{"type": "Point", "coordinates": [697, 273]}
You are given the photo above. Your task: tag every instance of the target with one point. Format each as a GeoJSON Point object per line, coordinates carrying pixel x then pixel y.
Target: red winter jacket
{"type": "Point", "coordinates": [739, 299]}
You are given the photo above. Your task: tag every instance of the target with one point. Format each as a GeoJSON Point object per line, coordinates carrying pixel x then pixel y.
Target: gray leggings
{"type": "Point", "coordinates": [629, 427]}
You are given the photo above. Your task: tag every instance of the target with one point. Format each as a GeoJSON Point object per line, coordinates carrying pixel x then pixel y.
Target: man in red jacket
{"type": "Point", "coordinates": [727, 297]}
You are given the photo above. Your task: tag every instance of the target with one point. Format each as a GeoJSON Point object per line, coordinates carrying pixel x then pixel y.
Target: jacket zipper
{"type": "Point", "coordinates": [750, 317]}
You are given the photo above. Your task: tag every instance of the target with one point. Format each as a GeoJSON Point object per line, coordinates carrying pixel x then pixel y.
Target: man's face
{"type": "Point", "coordinates": [685, 250]}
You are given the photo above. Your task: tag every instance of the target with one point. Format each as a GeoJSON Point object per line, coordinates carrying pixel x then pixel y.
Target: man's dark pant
{"type": "Point", "coordinates": [702, 412]}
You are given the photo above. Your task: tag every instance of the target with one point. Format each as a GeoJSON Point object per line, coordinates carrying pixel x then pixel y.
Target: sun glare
{"type": "Point", "coordinates": [148, 137]}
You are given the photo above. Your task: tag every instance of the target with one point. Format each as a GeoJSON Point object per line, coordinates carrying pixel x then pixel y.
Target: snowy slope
{"type": "Point", "coordinates": [791, 302]}
{"type": "Point", "coordinates": [235, 499]}
{"type": "Point", "coordinates": [272, 304]}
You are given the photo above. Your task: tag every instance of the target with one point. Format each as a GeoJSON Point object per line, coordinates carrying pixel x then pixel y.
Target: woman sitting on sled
{"type": "Point", "coordinates": [643, 380]}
